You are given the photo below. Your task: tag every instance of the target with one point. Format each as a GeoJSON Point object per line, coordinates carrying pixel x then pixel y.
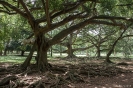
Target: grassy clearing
{"type": "Point", "coordinates": [13, 59]}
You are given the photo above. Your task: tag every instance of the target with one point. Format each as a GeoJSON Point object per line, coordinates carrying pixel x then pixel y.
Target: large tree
{"type": "Point", "coordinates": [42, 16]}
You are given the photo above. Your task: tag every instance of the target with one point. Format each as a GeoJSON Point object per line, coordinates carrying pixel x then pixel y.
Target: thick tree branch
{"type": "Point", "coordinates": [127, 36]}
{"type": "Point", "coordinates": [64, 21]}
{"type": "Point", "coordinates": [78, 26]}
{"type": "Point", "coordinates": [10, 13]}
{"type": "Point", "coordinates": [35, 8]}
{"type": "Point", "coordinates": [83, 48]}
{"type": "Point", "coordinates": [112, 18]}
{"type": "Point", "coordinates": [46, 9]}
{"type": "Point", "coordinates": [6, 8]}
{"type": "Point", "coordinates": [64, 11]}
{"type": "Point", "coordinates": [30, 16]}
{"type": "Point", "coordinates": [13, 8]}
{"type": "Point", "coordinates": [78, 49]}
{"type": "Point", "coordinates": [125, 4]}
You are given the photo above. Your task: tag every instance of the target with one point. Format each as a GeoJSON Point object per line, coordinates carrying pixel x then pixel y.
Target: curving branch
{"type": "Point", "coordinates": [64, 11]}
{"type": "Point", "coordinates": [13, 8]}
{"type": "Point", "coordinates": [112, 18]}
{"type": "Point", "coordinates": [78, 26]}
{"type": "Point", "coordinates": [10, 13]}
{"type": "Point", "coordinates": [64, 21]}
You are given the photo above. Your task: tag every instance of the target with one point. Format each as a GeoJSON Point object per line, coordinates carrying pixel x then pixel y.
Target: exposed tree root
{"type": "Point", "coordinates": [74, 77]}
{"type": "Point", "coordinates": [58, 75]}
{"type": "Point", "coordinates": [122, 63]}
{"type": "Point", "coordinates": [7, 80]}
{"type": "Point", "coordinates": [2, 69]}
{"type": "Point", "coordinates": [38, 84]}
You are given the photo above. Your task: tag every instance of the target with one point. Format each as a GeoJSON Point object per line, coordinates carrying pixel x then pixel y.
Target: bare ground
{"type": "Point", "coordinates": [69, 74]}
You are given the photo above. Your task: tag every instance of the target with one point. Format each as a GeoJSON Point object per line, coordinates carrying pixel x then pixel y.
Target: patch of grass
{"type": "Point", "coordinates": [13, 59]}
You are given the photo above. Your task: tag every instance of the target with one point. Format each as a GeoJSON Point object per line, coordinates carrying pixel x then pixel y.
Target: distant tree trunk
{"type": "Point", "coordinates": [113, 46]}
{"type": "Point", "coordinates": [5, 51]}
{"type": "Point", "coordinates": [70, 51]}
{"type": "Point", "coordinates": [87, 53]}
{"type": "Point", "coordinates": [69, 46]}
{"type": "Point", "coordinates": [26, 63]}
{"type": "Point", "coordinates": [17, 51]}
{"type": "Point", "coordinates": [60, 50]}
{"type": "Point", "coordinates": [0, 52]}
{"type": "Point", "coordinates": [114, 52]}
{"type": "Point", "coordinates": [98, 52]}
{"type": "Point", "coordinates": [22, 52]}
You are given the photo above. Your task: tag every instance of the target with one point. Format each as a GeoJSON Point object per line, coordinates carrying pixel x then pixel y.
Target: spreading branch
{"type": "Point", "coordinates": [46, 8]}
{"type": "Point", "coordinates": [30, 16]}
{"type": "Point", "coordinates": [13, 8]}
{"type": "Point", "coordinates": [64, 21]}
{"type": "Point", "coordinates": [112, 18]}
{"type": "Point", "coordinates": [78, 26]}
{"type": "Point", "coordinates": [10, 13]}
{"type": "Point", "coordinates": [64, 11]}
{"type": "Point", "coordinates": [125, 4]}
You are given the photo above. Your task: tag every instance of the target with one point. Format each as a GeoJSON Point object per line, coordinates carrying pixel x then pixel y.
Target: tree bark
{"type": "Point", "coordinates": [26, 63]}
{"type": "Point", "coordinates": [113, 46]}
{"type": "Point", "coordinates": [42, 48]}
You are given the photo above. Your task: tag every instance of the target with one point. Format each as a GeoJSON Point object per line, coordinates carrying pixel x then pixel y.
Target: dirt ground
{"type": "Point", "coordinates": [67, 74]}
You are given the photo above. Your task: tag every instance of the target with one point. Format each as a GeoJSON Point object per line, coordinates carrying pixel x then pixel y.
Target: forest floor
{"type": "Point", "coordinates": [75, 73]}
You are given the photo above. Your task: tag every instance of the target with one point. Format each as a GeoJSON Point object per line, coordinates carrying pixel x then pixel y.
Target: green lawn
{"type": "Point", "coordinates": [20, 59]}
{"type": "Point", "coordinates": [13, 59]}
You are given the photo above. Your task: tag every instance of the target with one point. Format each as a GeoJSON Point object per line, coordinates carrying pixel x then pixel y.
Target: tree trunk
{"type": "Point", "coordinates": [5, 51]}
{"type": "Point", "coordinates": [60, 50]}
{"type": "Point", "coordinates": [42, 48]}
{"type": "Point", "coordinates": [113, 46]}
{"type": "Point", "coordinates": [98, 52]}
{"type": "Point", "coordinates": [69, 46]}
{"type": "Point", "coordinates": [0, 52]}
{"type": "Point", "coordinates": [108, 59]}
{"type": "Point", "coordinates": [70, 51]}
{"type": "Point", "coordinates": [22, 52]}
{"type": "Point", "coordinates": [28, 59]}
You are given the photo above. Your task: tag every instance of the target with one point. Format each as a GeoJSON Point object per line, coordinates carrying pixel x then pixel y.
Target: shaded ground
{"type": "Point", "coordinates": [74, 73]}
